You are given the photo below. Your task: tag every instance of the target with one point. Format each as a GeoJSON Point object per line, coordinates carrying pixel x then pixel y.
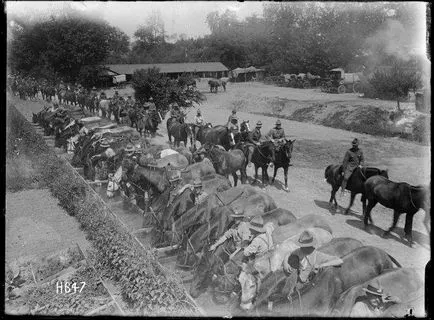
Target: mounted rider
{"type": "Point", "coordinates": [129, 103]}
{"type": "Point", "coordinates": [234, 114]}
{"type": "Point", "coordinates": [306, 261]}
{"type": "Point", "coordinates": [277, 134]}
{"type": "Point", "coordinates": [242, 234]}
{"type": "Point", "coordinates": [374, 303]}
{"type": "Point", "coordinates": [198, 119]}
{"type": "Point", "coordinates": [176, 113]}
{"type": "Point", "coordinates": [234, 129]}
{"type": "Point", "coordinates": [353, 159]}
{"type": "Point", "coordinates": [255, 136]}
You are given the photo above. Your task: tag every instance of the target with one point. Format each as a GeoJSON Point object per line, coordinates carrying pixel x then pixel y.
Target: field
{"type": "Point", "coordinates": [317, 146]}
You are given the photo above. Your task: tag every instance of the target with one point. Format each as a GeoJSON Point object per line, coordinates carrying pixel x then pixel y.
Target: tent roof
{"type": "Point", "coordinates": [169, 67]}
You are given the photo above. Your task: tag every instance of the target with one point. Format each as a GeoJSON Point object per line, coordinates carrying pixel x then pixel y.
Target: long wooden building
{"type": "Point", "coordinates": [173, 70]}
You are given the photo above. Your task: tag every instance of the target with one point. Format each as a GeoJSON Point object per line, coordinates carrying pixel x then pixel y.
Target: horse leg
{"type": "Point", "coordinates": [274, 174]}
{"type": "Point", "coordinates": [396, 215]}
{"type": "Point", "coordinates": [256, 172]}
{"type": "Point", "coordinates": [285, 172]}
{"type": "Point", "coordinates": [408, 228]}
{"type": "Point", "coordinates": [363, 200]}
{"type": "Point", "coordinates": [235, 178]}
{"type": "Point", "coordinates": [333, 197]}
{"type": "Point", "coordinates": [353, 195]}
{"type": "Point", "coordinates": [371, 204]}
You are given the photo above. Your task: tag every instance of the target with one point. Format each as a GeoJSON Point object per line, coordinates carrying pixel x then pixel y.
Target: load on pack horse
{"type": "Point", "coordinates": [319, 295]}
{"type": "Point", "coordinates": [399, 196]}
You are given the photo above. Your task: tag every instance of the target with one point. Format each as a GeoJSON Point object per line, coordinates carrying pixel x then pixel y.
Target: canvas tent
{"type": "Point", "coordinates": [247, 74]}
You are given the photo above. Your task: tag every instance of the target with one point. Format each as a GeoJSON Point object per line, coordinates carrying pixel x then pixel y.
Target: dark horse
{"type": "Point", "coordinates": [283, 159]}
{"type": "Point", "coordinates": [223, 263]}
{"type": "Point", "coordinates": [333, 175]}
{"type": "Point", "coordinates": [262, 155]}
{"type": "Point", "coordinates": [399, 196]}
{"type": "Point", "coordinates": [179, 131]}
{"type": "Point", "coordinates": [226, 162]}
{"type": "Point", "coordinates": [219, 135]}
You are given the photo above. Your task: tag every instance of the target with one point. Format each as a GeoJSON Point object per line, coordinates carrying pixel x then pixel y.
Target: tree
{"type": "Point", "coordinates": [163, 90]}
{"type": "Point", "coordinates": [396, 83]}
{"type": "Point", "coordinates": [64, 44]}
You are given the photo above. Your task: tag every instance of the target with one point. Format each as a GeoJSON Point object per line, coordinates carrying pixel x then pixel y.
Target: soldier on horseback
{"type": "Point", "coordinates": [129, 103]}
{"type": "Point", "coordinates": [234, 114]}
{"type": "Point", "coordinates": [306, 261]}
{"type": "Point", "coordinates": [234, 129]}
{"type": "Point", "coordinates": [374, 303]}
{"type": "Point", "coordinates": [255, 135]}
{"type": "Point", "coordinates": [242, 234]}
{"type": "Point", "coordinates": [277, 134]}
{"type": "Point", "coordinates": [176, 113]}
{"type": "Point", "coordinates": [353, 159]}
{"type": "Point", "coordinates": [198, 119]}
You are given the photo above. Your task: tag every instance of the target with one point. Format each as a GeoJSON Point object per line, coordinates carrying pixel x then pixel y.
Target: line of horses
{"type": "Point", "coordinates": [176, 218]}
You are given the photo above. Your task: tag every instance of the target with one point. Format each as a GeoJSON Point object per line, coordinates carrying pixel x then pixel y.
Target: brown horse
{"type": "Point", "coordinates": [179, 131]}
{"type": "Point", "coordinates": [226, 162]}
{"type": "Point", "coordinates": [319, 295]}
{"type": "Point", "coordinates": [399, 196]}
{"type": "Point", "coordinates": [333, 176]}
{"type": "Point", "coordinates": [282, 160]}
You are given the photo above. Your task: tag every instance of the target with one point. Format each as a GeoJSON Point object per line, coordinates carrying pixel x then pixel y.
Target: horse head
{"type": "Point", "coordinates": [384, 173]}
{"type": "Point", "coordinates": [244, 126]}
{"type": "Point", "coordinates": [288, 147]}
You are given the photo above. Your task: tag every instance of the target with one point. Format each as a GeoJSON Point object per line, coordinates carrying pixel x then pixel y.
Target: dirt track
{"type": "Point", "coordinates": [316, 147]}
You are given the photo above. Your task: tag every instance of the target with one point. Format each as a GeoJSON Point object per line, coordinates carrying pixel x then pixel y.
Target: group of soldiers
{"type": "Point", "coordinates": [276, 134]}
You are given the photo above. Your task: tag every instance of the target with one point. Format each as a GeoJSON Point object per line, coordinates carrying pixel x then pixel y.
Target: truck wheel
{"type": "Point", "coordinates": [341, 89]}
{"type": "Point", "coordinates": [357, 87]}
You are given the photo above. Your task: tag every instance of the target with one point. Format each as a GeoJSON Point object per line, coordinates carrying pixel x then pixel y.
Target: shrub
{"type": "Point", "coordinates": [421, 129]}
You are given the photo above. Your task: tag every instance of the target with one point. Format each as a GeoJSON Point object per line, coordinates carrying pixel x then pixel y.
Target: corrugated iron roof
{"type": "Point", "coordinates": [169, 67]}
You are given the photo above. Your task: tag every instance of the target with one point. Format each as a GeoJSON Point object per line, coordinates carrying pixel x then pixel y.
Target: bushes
{"type": "Point", "coordinates": [143, 284]}
{"type": "Point", "coordinates": [421, 129]}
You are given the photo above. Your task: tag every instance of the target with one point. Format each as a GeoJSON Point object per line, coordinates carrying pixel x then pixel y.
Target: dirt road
{"type": "Point", "coordinates": [315, 148]}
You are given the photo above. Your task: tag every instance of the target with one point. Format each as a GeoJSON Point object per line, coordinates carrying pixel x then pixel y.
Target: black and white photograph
{"type": "Point", "coordinates": [217, 159]}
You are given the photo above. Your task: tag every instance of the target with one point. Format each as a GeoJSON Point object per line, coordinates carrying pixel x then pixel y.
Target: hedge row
{"type": "Point", "coordinates": [145, 287]}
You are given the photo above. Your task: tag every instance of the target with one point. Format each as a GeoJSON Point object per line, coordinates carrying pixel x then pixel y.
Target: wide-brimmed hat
{"type": "Point", "coordinates": [306, 239]}
{"type": "Point", "coordinates": [371, 289]}
{"type": "Point", "coordinates": [197, 183]}
{"type": "Point", "coordinates": [257, 224]}
{"type": "Point", "coordinates": [93, 88]}
{"type": "Point", "coordinates": [259, 124]}
{"type": "Point", "coordinates": [355, 142]}
{"type": "Point", "coordinates": [151, 99]}
{"type": "Point", "coordinates": [130, 148]}
{"type": "Point", "coordinates": [104, 144]}
{"type": "Point", "coordinates": [278, 123]}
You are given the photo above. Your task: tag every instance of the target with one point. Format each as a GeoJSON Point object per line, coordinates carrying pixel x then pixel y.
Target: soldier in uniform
{"type": "Point", "coordinates": [353, 159]}
{"type": "Point", "coordinates": [198, 118]}
{"type": "Point", "coordinates": [116, 96]}
{"type": "Point", "coordinates": [255, 135]}
{"type": "Point", "coordinates": [234, 114]}
{"type": "Point", "coordinates": [374, 303]}
{"type": "Point", "coordinates": [234, 129]}
{"type": "Point", "coordinates": [129, 103]}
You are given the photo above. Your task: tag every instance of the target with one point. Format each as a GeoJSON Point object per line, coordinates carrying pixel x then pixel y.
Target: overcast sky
{"type": "Point", "coordinates": [178, 16]}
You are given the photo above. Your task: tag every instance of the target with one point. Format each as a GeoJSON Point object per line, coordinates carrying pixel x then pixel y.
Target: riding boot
{"type": "Point", "coordinates": [343, 186]}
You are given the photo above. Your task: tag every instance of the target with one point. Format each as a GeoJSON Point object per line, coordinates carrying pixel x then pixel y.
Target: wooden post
{"type": "Point", "coordinates": [145, 212]}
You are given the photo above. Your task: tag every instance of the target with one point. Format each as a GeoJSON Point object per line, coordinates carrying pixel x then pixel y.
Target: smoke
{"type": "Point", "coordinates": [393, 39]}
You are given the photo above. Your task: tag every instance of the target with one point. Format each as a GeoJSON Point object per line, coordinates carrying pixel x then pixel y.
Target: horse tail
{"type": "Point", "coordinates": [395, 261]}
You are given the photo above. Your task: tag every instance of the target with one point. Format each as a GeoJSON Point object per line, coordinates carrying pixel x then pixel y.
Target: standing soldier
{"type": "Point", "coordinates": [353, 159]}
{"type": "Point", "coordinates": [234, 114]}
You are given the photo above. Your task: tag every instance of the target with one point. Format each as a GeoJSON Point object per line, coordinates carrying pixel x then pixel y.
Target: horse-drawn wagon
{"type": "Point", "coordinates": [340, 82]}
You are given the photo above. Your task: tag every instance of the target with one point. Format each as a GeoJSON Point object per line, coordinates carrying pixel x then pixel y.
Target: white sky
{"type": "Point", "coordinates": [179, 17]}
